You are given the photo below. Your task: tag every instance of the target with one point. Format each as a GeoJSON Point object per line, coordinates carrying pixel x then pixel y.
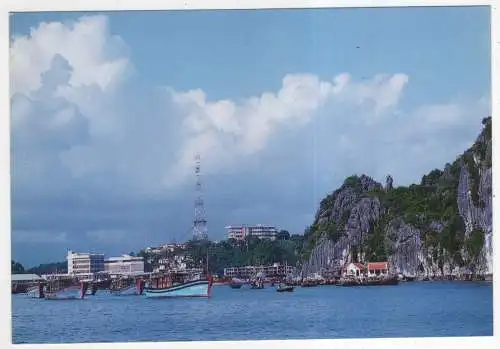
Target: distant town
{"type": "Point", "coordinates": [167, 257]}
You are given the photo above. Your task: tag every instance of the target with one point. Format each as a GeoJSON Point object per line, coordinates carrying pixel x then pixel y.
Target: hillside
{"type": "Point", "coordinates": [441, 226]}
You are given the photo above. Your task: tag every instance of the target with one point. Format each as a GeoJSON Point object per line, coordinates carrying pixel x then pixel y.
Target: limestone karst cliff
{"type": "Point", "coordinates": [441, 226]}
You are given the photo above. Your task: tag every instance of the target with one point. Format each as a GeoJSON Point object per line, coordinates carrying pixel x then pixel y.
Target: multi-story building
{"type": "Point", "coordinates": [260, 231]}
{"type": "Point", "coordinates": [275, 270]}
{"type": "Point", "coordinates": [85, 263]}
{"type": "Point", "coordinates": [124, 264]}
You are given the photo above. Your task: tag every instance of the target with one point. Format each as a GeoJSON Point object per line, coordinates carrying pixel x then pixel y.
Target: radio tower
{"type": "Point", "coordinates": [199, 222]}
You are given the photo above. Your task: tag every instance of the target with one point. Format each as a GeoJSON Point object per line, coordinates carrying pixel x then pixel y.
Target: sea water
{"type": "Point", "coordinates": [410, 309]}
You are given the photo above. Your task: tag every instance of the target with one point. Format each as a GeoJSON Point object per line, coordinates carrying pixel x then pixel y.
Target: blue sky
{"type": "Point", "coordinates": [108, 109]}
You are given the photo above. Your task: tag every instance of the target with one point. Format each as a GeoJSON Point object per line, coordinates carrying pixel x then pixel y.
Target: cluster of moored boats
{"type": "Point", "coordinates": [177, 284]}
{"type": "Point", "coordinates": [167, 285]}
{"type": "Point", "coordinates": [258, 284]}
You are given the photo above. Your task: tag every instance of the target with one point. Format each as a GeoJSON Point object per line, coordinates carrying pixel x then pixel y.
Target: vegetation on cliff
{"type": "Point", "coordinates": [431, 206]}
{"type": "Point", "coordinates": [234, 253]}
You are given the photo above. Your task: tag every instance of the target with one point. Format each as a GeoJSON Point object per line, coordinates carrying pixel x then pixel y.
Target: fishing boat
{"type": "Point", "coordinates": [65, 289]}
{"type": "Point", "coordinates": [236, 283]}
{"type": "Point", "coordinates": [127, 286]}
{"type": "Point", "coordinates": [178, 284]}
{"type": "Point", "coordinates": [35, 291]}
{"type": "Point", "coordinates": [284, 288]}
{"type": "Point", "coordinates": [384, 281]}
{"type": "Point", "coordinates": [257, 285]}
{"type": "Point", "coordinates": [92, 287]}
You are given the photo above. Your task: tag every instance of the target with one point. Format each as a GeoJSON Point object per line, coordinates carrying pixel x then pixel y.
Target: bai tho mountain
{"type": "Point", "coordinates": [438, 228]}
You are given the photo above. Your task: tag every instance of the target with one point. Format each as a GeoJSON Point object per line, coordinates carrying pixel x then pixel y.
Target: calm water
{"type": "Point", "coordinates": [406, 310]}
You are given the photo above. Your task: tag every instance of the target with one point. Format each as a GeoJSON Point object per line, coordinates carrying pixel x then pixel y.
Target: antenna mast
{"type": "Point", "coordinates": [199, 222]}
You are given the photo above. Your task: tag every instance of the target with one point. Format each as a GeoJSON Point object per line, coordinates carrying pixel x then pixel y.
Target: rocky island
{"type": "Point", "coordinates": [439, 228]}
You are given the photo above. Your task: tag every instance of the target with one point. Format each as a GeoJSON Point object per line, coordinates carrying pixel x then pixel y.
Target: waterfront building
{"type": "Point", "coordinates": [378, 268]}
{"type": "Point", "coordinates": [84, 263]}
{"type": "Point", "coordinates": [124, 264]}
{"type": "Point", "coordinates": [24, 279]}
{"type": "Point", "coordinates": [275, 270]}
{"type": "Point", "coordinates": [354, 269]}
{"type": "Point", "coordinates": [240, 232]}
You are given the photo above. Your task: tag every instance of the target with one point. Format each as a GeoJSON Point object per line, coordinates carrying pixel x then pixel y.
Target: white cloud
{"type": "Point", "coordinates": [223, 131]}
{"type": "Point", "coordinates": [67, 70]}
{"type": "Point", "coordinates": [78, 124]}
{"type": "Point", "coordinates": [85, 44]}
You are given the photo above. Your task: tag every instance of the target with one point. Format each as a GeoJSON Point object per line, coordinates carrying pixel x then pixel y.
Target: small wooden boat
{"type": "Point", "coordinates": [285, 289]}
{"type": "Point", "coordinates": [127, 286]}
{"type": "Point", "coordinates": [178, 284]}
{"type": "Point", "coordinates": [36, 291]}
{"type": "Point", "coordinates": [63, 289]}
{"type": "Point", "coordinates": [257, 285]}
{"type": "Point", "coordinates": [389, 281]}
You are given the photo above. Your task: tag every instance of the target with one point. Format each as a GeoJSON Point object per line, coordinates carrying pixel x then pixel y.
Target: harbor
{"type": "Point", "coordinates": [247, 312]}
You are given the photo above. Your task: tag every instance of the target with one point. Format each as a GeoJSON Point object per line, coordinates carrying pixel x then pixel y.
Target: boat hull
{"type": "Point", "coordinates": [201, 288]}
{"type": "Point", "coordinates": [131, 290]}
{"type": "Point", "coordinates": [67, 293]}
{"type": "Point", "coordinates": [35, 291]}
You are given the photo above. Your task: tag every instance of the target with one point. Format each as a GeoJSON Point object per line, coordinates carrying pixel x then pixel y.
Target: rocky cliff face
{"type": "Point", "coordinates": [442, 226]}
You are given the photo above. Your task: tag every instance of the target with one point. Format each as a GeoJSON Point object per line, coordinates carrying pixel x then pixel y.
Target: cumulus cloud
{"type": "Point", "coordinates": [225, 131]}
{"type": "Point", "coordinates": [81, 129]}
{"type": "Point", "coordinates": [96, 56]}
{"type": "Point", "coordinates": [66, 104]}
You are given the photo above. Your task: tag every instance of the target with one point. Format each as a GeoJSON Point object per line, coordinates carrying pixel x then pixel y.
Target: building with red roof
{"type": "Point", "coordinates": [378, 268]}
{"type": "Point", "coordinates": [354, 269]}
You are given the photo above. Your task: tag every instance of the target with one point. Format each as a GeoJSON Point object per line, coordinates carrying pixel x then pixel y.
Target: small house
{"type": "Point", "coordinates": [354, 269]}
{"type": "Point", "coordinates": [378, 268]}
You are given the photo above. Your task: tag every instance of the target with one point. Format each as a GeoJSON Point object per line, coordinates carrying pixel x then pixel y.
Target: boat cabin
{"type": "Point", "coordinates": [167, 280]}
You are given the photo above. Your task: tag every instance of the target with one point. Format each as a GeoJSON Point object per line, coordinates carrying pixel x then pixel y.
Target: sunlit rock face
{"type": "Point", "coordinates": [361, 206]}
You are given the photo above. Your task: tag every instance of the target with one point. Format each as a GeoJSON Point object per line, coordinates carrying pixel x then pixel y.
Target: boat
{"type": "Point", "coordinates": [127, 286]}
{"type": "Point", "coordinates": [178, 284]}
{"type": "Point", "coordinates": [284, 288]}
{"type": "Point", "coordinates": [92, 287]}
{"type": "Point", "coordinates": [257, 285]}
{"type": "Point", "coordinates": [35, 291]}
{"type": "Point", "coordinates": [386, 281]}
{"type": "Point", "coordinates": [236, 283]}
{"type": "Point", "coordinates": [65, 289]}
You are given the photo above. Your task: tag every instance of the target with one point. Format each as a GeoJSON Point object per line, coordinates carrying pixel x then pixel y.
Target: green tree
{"type": "Point", "coordinates": [16, 267]}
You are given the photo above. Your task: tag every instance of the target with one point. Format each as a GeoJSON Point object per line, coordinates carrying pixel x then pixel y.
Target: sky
{"type": "Point", "coordinates": [108, 111]}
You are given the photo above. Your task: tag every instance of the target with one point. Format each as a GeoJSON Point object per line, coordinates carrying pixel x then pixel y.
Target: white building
{"type": "Point", "coordinates": [124, 264]}
{"type": "Point", "coordinates": [354, 269]}
{"type": "Point", "coordinates": [85, 263]}
{"type": "Point", "coordinates": [260, 231]}
{"type": "Point", "coordinates": [275, 270]}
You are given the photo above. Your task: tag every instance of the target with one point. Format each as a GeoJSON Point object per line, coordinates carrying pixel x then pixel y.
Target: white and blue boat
{"type": "Point", "coordinates": [176, 285]}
